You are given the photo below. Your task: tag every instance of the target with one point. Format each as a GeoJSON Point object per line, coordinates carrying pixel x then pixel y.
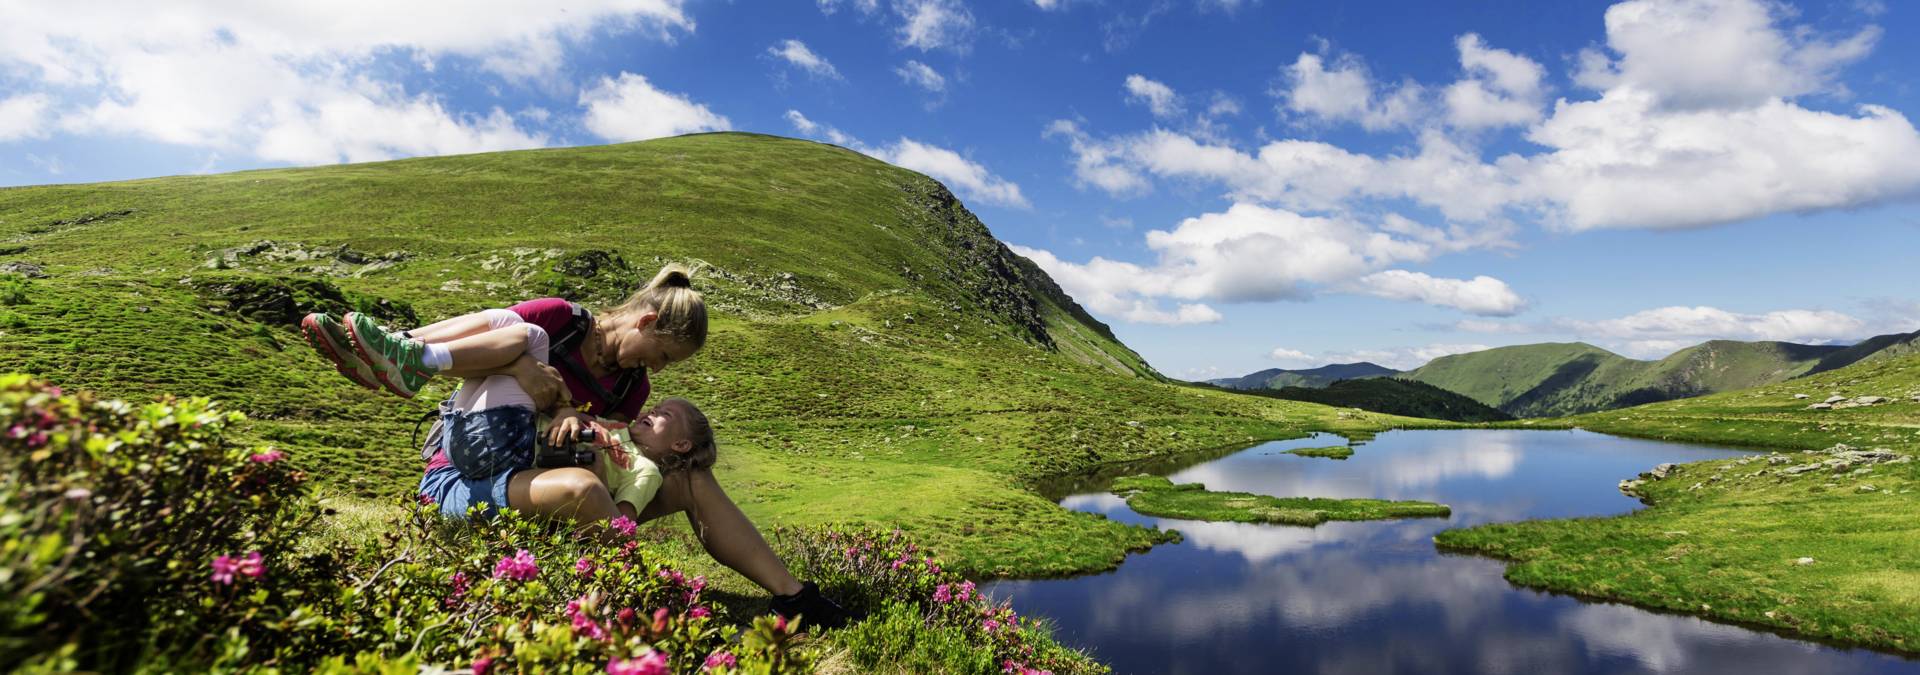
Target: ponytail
{"type": "Point", "coordinates": [681, 310]}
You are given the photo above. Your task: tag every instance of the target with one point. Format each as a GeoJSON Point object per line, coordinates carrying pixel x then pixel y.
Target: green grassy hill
{"type": "Point", "coordinates": [1395, 397]}
{"type": "Point", "coordinates": [1814, 539]}
{"type": "Point", "coordinates": [1545, 380]}
{"type": "Point", "coordinates": [872, 338]}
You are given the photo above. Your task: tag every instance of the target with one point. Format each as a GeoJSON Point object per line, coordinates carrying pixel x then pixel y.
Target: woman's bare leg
{"type": "Point", "coordinates": [572, 493]}
{"type": "Point", "coordinates": [725, 532]}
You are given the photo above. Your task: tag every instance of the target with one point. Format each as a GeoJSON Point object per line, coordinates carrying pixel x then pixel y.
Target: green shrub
{"type": "Point", "coordinates": [130, 529]}
{"type": "Point", "coordinates": [13, 289]}
{"type": "Point", "coordinates": [922, 617]}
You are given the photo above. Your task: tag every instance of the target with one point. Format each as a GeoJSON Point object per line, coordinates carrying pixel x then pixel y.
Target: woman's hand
{"type": "Point", "coordinates": [541, 382]}
{"type": "Point", "coordinates": [566, 427]}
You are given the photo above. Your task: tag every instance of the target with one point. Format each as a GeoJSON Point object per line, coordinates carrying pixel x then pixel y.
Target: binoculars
{"type": "Point", "coordinates": [577, 453]}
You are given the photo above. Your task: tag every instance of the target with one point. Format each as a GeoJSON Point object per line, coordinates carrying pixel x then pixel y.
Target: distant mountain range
{"type": "Point", "coordinates": [1553, 379]}
{"type": "Point", "coordinates": [1566, 378]}
{"type": "Point", "coordinates": [1313, 378]}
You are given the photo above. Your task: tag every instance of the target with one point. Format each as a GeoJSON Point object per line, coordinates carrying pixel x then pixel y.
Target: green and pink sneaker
{"type": "Point", "coordinates": [398, 362]}
{"type": "Point", "coordinates": [328, 337]}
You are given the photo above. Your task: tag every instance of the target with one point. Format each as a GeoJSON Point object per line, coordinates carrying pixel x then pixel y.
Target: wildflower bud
{"type": "Point", "coordinates": [660, 620]}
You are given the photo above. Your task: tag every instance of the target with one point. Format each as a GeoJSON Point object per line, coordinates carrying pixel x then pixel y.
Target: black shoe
{"type": "Point", "coordinates": [810, 605]}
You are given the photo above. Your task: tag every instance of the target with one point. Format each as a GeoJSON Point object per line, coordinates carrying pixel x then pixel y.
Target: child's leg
{"type": "Point", "coordinates": [494, 348]}
{"type": "Point", "coordinates": [404, 365]}
{"type": "Point", "coordinates": [462, 326]}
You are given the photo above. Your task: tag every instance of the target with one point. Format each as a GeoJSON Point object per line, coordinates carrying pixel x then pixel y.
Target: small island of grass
{"type": "Point", "coordinates": [1158, 496]}
{"type": "Point", "coordinates": [1331, 452]}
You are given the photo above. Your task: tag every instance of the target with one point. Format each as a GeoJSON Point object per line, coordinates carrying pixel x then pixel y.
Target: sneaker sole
{"type": "Point", "coordinates": [378, 366]}
{"type": "Point", "coordinates": [317, 338]}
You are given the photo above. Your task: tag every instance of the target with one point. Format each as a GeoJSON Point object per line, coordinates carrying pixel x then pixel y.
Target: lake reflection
{"type": "Point", "coordinates": [1373, 597]}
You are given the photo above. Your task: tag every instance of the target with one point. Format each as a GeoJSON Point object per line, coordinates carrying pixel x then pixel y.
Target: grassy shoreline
{"type": "Point", "coordinates": [1159, 496]}
{"type": "Point", "coordinates": [1813, 540]}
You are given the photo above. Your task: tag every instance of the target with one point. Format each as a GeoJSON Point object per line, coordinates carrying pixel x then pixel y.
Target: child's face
{"type": "Point", "coordinates": [640, 345]}
{"type": "Point", "coordinates": [662, 431]}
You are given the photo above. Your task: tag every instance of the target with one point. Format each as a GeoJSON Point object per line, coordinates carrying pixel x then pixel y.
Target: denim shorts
{"type": "Point", "coordinates": [455, 494]}
{"type": "Point", "coordinates": [484, 443]}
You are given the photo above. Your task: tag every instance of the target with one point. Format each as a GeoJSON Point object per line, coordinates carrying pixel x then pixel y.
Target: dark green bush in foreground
{"type": "Point", "coordinates": [136, 538]}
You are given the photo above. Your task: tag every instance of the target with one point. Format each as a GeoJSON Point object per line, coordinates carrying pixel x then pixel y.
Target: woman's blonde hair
{"type": "Point", "coordinates": [682, 312]}
{"type": "Point", "coordinates": [704, 452]}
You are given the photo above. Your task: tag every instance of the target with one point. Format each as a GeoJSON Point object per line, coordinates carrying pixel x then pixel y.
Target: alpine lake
{"type": "Point", "coordinates": [1376, 596]}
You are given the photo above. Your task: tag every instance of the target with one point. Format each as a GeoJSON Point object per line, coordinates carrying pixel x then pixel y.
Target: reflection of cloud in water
{"type": "Point", "coordinates": [1666, 643]}
{"type": "Point", "coordinates": [1101, 502]}
{"type": "Point", "coordinates": [1258, 543]}
{"type": "Point", "coordinates": [1490, 458]}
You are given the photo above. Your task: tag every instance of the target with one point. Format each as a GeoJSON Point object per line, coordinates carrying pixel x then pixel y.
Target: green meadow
{"type": "Point", "coordinates": [877, 356]}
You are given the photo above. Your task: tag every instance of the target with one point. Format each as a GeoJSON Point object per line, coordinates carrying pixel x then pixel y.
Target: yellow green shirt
{"type": "Point", "coordinates": [629, 475]}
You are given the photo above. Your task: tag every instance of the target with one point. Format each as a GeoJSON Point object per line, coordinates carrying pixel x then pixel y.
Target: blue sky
{"type": "Point", "coordinates": [1232, 185]}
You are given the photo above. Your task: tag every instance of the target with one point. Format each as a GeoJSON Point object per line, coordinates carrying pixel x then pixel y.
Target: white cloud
{"type": "Point", "coordinates": [1050, 5]}
{"type": "Point", "coordinates": [828, 7]}
{"type": "Point", "coordinates": [1692, 54]}
{"type": "Point", "coordinates": [1642, 155]}
{"type": "Point", "coordinates": [1482, 295]}
{"type": "Point", "coordinates": [1098, 163]}
{"type": "Point", "coordinates": [266, 81]}
{"type": "Point", "coordinates": [24, 116]}
{"type": "Point", "coordinates": [632, 109]}
{"type": "Point", "coordinates": [1291, 355]}
{"type": "Point", "coordinates": [934, 24]}
{"type": "Point", "coordinates": [1693, 324]}
{"type": "Point", "coordinates": [1501, 88]}
{"type": "Point", "coordinates": [1346, 93]}
{"type": "Point", "coordinates": [1115, 289]}
{"type": "Point", "coordinates": [797, 53]}
{"type": "Point", "coordinates": [969, 177]}
{"type": "Point", "coordinates": [923, 76]}
{"type": "Point", "coordinates": [1252, 253]}
{"type": "Point", "coordinates": [1158, 97]}
{"type": "Point", "coordinates": [808, 127]}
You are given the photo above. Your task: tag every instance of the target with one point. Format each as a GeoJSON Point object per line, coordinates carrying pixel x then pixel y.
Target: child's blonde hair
{"type": "Point", "coordinates": [704, 452]}
{"type": "Point", "coordinates": [682, 312]}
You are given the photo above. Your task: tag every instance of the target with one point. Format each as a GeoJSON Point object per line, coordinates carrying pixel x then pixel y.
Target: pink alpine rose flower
{"type": "Point", "coordinates": [624, 525]}
{"type": "Point", "coordinates": [519, 567]}
{"type": "Point", "coordinates": [718, 660]}
{"type": "Point", "coordinates": [651, 663]}
{"type": "Point", "coordinates": [223, 569]}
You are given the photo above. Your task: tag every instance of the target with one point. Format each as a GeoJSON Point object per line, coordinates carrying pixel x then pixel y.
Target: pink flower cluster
{"type": "Point", "coordinates": [267, 457]}
{"type": "Point", "coordinates": [944, 593]}
{"type": "Point", "coordinates": [624, 525]}
{"type": "Point", "coordinates": [519, 567]}
{"type": "Point", "coordinates": [580, 612]}
{"type": "Point", "coordinates": [651, 663]}
{"type": "Point", "coordinates": [252, 566]}
{"type": "Point", "coordinates": [583, 566]}
{"type": "Point", "coordinates": [1012, 666]}
{"type": "Point", "coordinates": [460, 586]}
{"type": "Point", "coordinates": [718, 660]}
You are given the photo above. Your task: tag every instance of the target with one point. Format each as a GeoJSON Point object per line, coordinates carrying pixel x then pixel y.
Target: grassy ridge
{"type": "Point", "coordinates": [872, 339]}
{"type": "Point", "coordinates": [1811, 540]}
